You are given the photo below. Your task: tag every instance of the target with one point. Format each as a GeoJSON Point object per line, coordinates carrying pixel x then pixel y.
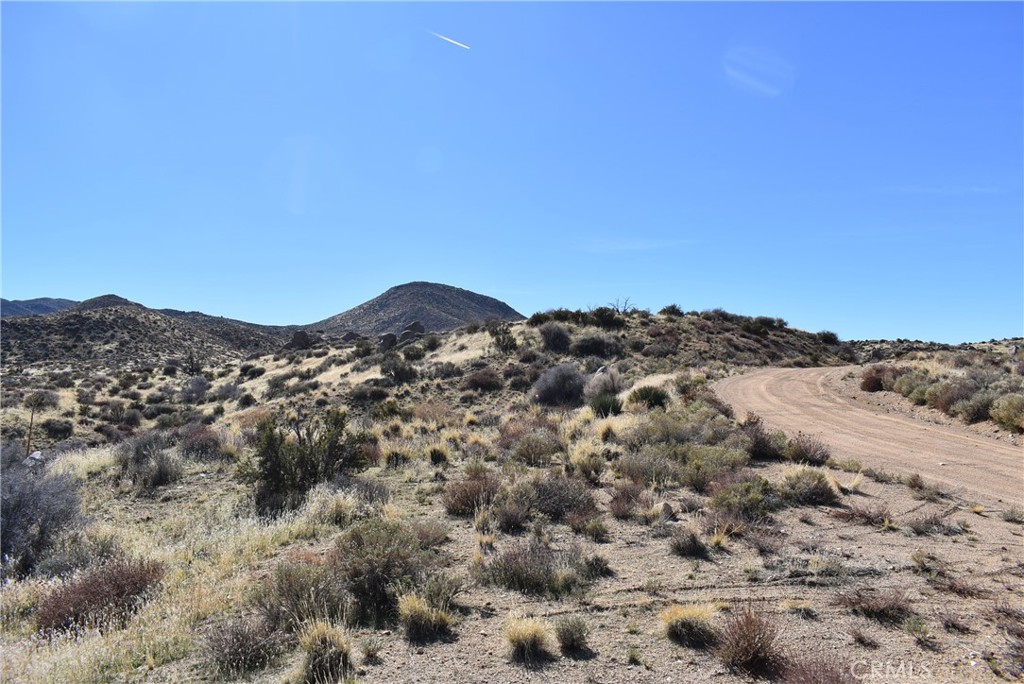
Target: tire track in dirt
{"type": "Point", "coordinates": [805, 400]}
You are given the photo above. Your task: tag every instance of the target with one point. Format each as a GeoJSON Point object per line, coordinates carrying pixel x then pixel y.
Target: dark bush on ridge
{"type": "Point", "coordinates": [555, 337]}
{"type": "Point", "coordinates": [560, 386]}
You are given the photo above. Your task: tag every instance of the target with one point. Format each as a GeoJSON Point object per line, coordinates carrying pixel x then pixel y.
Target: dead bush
{"type": "Point", "coordinates": [104, 597]}
{"type": "Point", "coordinates": [749, 643]}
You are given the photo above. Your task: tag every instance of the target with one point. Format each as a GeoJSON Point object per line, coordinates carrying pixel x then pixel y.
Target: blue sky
{"type": "Point", "coordinates": [853, 167]}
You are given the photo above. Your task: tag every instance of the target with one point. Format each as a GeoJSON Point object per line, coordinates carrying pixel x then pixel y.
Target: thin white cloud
{"type": "Point", "coordinates": [453, 42]}
{"type": "Point", "coordinates": [758, 71]}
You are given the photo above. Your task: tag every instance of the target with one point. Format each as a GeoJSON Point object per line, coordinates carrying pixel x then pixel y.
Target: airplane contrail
{"type": "Point", "coordinates": [453, 42]}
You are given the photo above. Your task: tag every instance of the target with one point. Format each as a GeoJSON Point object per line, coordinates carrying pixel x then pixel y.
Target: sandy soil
{"type": "Point", "coordinates": [968, 461]}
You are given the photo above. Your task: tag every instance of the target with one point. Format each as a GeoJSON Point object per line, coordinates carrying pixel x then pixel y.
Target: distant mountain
{"type": "Point", "coordinates": [112, 331]}
{"type": "Point", "coordinates": [31, 307]}
{"type": "Point", "coordinates": [438, 307]}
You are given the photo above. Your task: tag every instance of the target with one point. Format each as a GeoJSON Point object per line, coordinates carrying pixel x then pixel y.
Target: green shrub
{"type": "Point", "coordinates": [413, 353]}
{"type": "Point", "coordinates": [706, 464]}
{"type": "Point", "coordinates": [398, 370]}
{"type": "Point", "coordinates": [376, 558]}
{"type": "Point", "coordinates": [502, 337]}
{"type": "Point", "coordinates": [976, 408]}
{"type": "Point", "coordinates": [750, 500]}
{"type": "Point", "coordinates": [285, 469]}
{"type": "Point", "coordinates": [1008, 412]}
{"type": "Point", "coordinates": [56, 428]}
{"type": "Point", "coordinates": [808, 487]}
{"type": "Point", "coordinates": [649, 396]}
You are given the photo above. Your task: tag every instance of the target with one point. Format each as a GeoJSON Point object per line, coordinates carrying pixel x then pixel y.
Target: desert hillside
{"type": "Point", "coordinates": [564, 497]}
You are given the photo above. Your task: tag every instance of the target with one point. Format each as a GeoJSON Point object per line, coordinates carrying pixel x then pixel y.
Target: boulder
{"type": "Point", "coordinates": [415, 327]}
{"type": "Point", "coordinates": [350, 336]}
{"type": "Point", "coordinates": [300, 340]}
{"type": "Point", "coordinates": [408, 335]}
{"type": "Point", "coordinates": [386, 342]}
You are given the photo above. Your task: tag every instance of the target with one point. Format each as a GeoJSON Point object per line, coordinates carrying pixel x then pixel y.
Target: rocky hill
{"type": "Point", "coordinates": [31, 307]}
{"type": "Point", "coordinates": [123, 335]}
{"type": "Point", "coordinates": [438, 307]}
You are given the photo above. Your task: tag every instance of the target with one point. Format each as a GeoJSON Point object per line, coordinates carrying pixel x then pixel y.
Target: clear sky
{"type": "Point", "coordinates": [854, 167]}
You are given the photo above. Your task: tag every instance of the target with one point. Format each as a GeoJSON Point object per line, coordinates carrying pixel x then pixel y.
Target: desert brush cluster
{"type": "Point", "coordinates": [562, 497]}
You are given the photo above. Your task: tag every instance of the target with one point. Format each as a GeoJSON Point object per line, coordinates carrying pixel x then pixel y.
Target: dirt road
{"type": "Point", "coordinates": [972, 466]}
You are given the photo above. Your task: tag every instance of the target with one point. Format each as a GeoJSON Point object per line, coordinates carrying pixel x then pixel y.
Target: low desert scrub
{"type": "Point", "coordinates": [749, 643]}
{"type": "Point", "coordinates": [800, 608]}
{"type": "Point", "coordinates": [931, 523]}
{"type": "Point", "coordinates": [686, 542]}
{"type": "Point", "coordinates": [420, 621]}
{"type": "Point", "coordinates": [1008, 412]}
{"type": "Point", "coordinates": [880, 377]}
{"type": "Point", "coordinates": [625, 497]}
{"type": "Point", "coordinates": [1013, 514]}
{"type": "Point", "coordinates": [750, 500]}
{"type": "Point", "coordinates": [533, 567]}
{"type": "Point", "coordinates": [327, 653]}
{"type": "Point", "coordinates": [555, 337]}
{"type": "Point", "coordinates": [147, 461]}
{"type": "Point", "coordinates": [528, 639]}
{"type": "Point", "coordinates": [649, 397]}
{"type": "Point", "coordinates": [690, 625]}
{"type": "Point", "coordinates": [876, 516]}
{"type": "Point", "coordinates": [890, 606]}
{"type": "Point", "coordinates": [104, 597]}
{"type": "Point", "coordinates": [485, 380]}
{"type": "Point", "coordinates": [35, 510]}
{"type": "Point", "coordinates": [297, 593]}
{"type": "Point", "coordinates": [807, 449]}
{"type": "Point", "coordinates": [557, 496]}
{"type": "Point", "coordinates": [808, 487]}
{"type": "Point", "coordinates": [763, 445]}
{"type": "Point", "coordinates": [240, 645]}
{"type": "Point", "coordinates": [559, 386]}
{"type": "Point", "coordinates": [827, 669]}
{"type": "Point", "coordinates": [374, 558]}
{"type": "Point", "coordinates": [648, 468]}
{"type": "Point", "coordinates": [704, 464]}
{"type": "Point", "coordinates": [463, 497]}
{"type": "Point", "coordinates": [572, 632]}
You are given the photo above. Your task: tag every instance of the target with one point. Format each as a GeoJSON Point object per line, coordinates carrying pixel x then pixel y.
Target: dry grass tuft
{"type": "Point", "coordinates": [690, 625]}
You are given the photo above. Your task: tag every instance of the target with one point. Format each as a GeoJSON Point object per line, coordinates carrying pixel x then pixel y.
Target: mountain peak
{"type": "Point", "coordinates": [437, 306]}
